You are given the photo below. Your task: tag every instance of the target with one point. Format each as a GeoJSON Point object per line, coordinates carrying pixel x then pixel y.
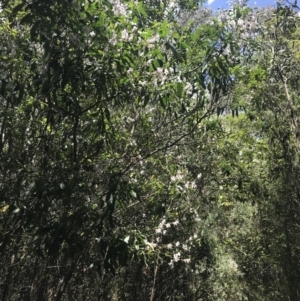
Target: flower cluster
{"type": "Point", "coordinates": [176, 258]}
{"type": "Point", "coordinates": [154, 39]}
{"type": "Point", "coordinates": [119, 8]}
{"type": "Point", "coordinates": [163, 226]}
{"type": "Point", "coordinates": [162, 230]}
{"type": "Point", "coordinates": [160, 75]}
{"type": "Point", "coordinates": [179, 176]}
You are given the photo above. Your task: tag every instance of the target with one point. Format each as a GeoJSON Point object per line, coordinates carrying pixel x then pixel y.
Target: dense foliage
{"type": "Point", "coordinates": [149, 150]}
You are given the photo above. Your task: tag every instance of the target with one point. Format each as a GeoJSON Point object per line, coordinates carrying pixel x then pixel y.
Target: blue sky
{"type": "Point", "coordinates": [215, 4]}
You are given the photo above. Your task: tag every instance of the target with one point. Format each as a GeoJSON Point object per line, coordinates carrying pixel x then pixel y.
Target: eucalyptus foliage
{"type": "Point", "coordinates": [147, 153]}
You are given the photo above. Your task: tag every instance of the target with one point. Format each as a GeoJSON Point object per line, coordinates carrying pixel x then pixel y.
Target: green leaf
{"type": "Point", "coordinates": [163, 101]}
{"type": "Point", "coordinates": [164, 29]}
{"type": "Point", "coordinates": [221, 65]}
{"type": "Point", "coordinates": [140, 9]}
{"type": "Point", "coordinates": [179, 88]}
{"type": "Point", "coordinates": [17, 8]}
{"type": "Point", "coordinates": [156, 63]}
{"type": "Point", "coordinates": [133, 193]}
{"type": "Point", "coordinates": [102, 19]}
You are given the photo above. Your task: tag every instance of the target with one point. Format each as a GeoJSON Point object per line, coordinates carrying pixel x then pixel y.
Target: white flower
{"type": "Point", "coordinates": [179, 188]}
{"type": "Point", "coordinates": [176, 223]}
{"type": "Point", "coordinates": [187, 260]}
{"type": "Point", "coordinates": [124, 35]}
{"type": "Point", "coordinates": [162, 223]}
{"type": "Point", "coordinates": [179, 175]}
{"type": "Point", "coordinates": [194, 96]}
{"type": "Point", "coordinates": [193, 185]}
{"type": "Point", "coordinates": [207, 94]}
{"type": "Point", "coordinates": [176, 256]}
{"type": "Point", "coordinates": [160, 75]}
{"type": "Point", "coordinates": [113, 39]}
{"type": "Point", "coordinates": [169, 246]}
{"type": "Point", "coordinates": [157, 231]}
{"type": "Point", "coordinates": [171, 264]}
{"type": "Point", "coordinates": [149, 62]}
{"type": "Point", "coordinates": [184, 247]}
{"type": "Point", "coordinates": [130, 70]}
{"type": "Point", "coordinates": [179, 79]}
{"type": "Point", "coordinates": [172, 4]}
{"type": "Point", "coordinates": [129, 119]}
{"type": "Point", "coordinates": [232, 264]}
{"type": "Point", "coordinates": [240, 22]}
{"type": "Point", "coordinates": [177, 244]}
{"type": "Point", "coordinates": [119, 8]}
{"type": "Point", "coordinates": [168, 225]}
{"type": "Point", "coordinates": [188, 88]}
{"type": "Point", "coordinates": [164, 232]}
{"type": "Point", "coordinates": [153, 39]}
{"type": "Point", "coordinates": [195, 235]}
{"type": "Point", "coordinates": [92, 33]}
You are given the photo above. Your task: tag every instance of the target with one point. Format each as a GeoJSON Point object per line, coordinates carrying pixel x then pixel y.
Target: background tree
{"type": "Point", "coordinates": [97, 99]}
